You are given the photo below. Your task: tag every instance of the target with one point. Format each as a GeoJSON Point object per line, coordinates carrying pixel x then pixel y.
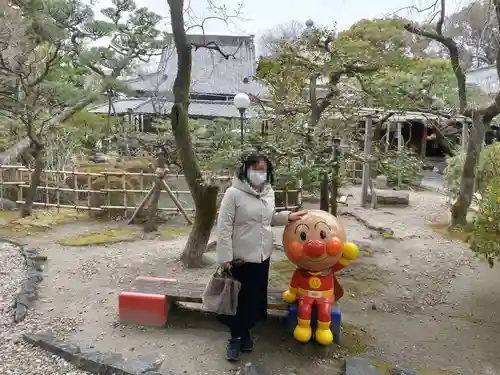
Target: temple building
{"type": "Point", "coordinates": [215, 81]}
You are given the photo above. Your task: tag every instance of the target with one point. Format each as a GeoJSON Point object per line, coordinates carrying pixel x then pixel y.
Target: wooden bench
{"type": "Point", "coordinates": [152, 298]}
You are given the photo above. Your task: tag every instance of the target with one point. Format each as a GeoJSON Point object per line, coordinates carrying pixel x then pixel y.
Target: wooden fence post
{"type": "Point", "coordinates": [1, 184]}
{"type": "Point", "coordinates": [388, 137]}
{"type": "Point", "coordinates": [20, 187]}
{"type": "Point", "coordinates": [124, 188]}
{"type": "Point", "coordinates": [108, 194]}
{"type": "Point", "coordinates": [367, 161]}
{"type": "Point", "coordinates": [465, 136]}
{"type": "Point", "coordinates": [76, 194]}
{"type": "Point", "coordinates": [400, 148]}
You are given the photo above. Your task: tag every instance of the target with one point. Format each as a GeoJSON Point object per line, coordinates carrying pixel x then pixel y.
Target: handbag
{"type": "Point", "coordinates": [221, 293]}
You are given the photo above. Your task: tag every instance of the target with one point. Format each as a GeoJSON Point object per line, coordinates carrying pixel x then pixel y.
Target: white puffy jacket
{"type": "Point", "coordinates": [244, 223]}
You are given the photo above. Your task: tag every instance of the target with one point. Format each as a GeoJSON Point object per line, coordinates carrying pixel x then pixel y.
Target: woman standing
{"type": "Point", "coordinates": [245, 244]}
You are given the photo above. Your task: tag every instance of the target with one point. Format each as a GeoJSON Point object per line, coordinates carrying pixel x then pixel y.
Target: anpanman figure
{"type": "Point", "coordinates": [317, 245]}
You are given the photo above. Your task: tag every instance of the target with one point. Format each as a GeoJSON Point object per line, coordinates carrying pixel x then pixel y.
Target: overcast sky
{"type": "Point", "coordinates": [259, 15]}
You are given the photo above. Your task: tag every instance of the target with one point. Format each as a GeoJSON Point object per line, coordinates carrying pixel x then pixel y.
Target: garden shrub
{"type": "Point", "coordinates": [487, 170]}
{"type": "Point", "coordinates": [99, 198]}
{"type": "Point", "coordinates": [407, 162]}
{"type": "Point", "coordinates": [132, 166]}
{"type": "Point", "coordinates": [488, 167]}
{"type": "Point", "coordinates": [453, 175]}
{"type": "Point", "coordinates": [485, 238]}
{"type": "Point", "coordinates": [82, 181]}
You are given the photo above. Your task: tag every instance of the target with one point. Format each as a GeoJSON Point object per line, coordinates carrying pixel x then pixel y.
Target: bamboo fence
{"type": "Point", "coordinates": [353, 171]}
{"type": "Point", "coordinates": [55, 185]}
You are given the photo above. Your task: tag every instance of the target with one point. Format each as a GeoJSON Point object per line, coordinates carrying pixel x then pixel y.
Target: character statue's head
{"type": "Point", "coordinates": [315, 242]}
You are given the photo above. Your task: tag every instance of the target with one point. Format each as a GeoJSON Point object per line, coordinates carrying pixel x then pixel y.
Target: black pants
{"type": "Point", "coordinates": [252, 299]}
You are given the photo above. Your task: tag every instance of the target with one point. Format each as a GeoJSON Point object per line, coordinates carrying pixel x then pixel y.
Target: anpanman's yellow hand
{"type": "Point", "coordinates": [289, 297]}
{"type": "Point", "coordinates": [350, 251]}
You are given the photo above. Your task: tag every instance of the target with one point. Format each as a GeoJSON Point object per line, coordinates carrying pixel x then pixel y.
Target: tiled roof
{"type": "Point", "coordinates": [119, 106]}
{"type": "Point", "coordinates": [197, 108]}
{"type": "Point", "coordinates": [152, 82]}
{"type": "Point", "coordinates": [211, 72]}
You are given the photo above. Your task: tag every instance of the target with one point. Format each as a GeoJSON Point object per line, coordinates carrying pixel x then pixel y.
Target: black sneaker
{"type": "Point", "coordinates": [233, 350]}
{"type": "Point", "coordinates": [247, 344]}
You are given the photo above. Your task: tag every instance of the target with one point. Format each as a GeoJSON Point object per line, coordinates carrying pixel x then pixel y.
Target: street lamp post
{"type": "Point", "coordinates": [242, 102]}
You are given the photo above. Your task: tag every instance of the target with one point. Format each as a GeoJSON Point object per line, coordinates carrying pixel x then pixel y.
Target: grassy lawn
{"type": "Point", "coordinates": [461, 234]}
{"type": "Point", "coordinates": [114, 235]}
{"type": "Point", "coordinates": [41, 220]}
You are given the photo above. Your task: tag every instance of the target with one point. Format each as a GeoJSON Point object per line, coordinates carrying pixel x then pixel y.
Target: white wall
{"type": "Point", "coordinates": [486, 78]}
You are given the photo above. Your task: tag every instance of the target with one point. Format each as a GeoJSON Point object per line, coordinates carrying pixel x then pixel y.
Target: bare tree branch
{"type": "Point", "coordinates": [453, 51]}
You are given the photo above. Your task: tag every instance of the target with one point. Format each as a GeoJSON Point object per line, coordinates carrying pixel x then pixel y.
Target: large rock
{"type": "Point", "coordinates": [360, 366]}
{"type": "Point", "coordinates": [251, 369]}
{"type": "Point", "coordinates": [29, 289]}
{"type": "Point", "coordinates": [391, 197]}
{"type": "Point", "coordinates": [7, 205]}
{"type": "Point", "coordinates": [96, 362]}
{"type": "Point", "coordinates": [381, 182]}
{"type": "Point", "coordinates": [400, 371]}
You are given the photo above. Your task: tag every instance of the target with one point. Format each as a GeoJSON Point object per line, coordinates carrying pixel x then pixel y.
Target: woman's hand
{"type": "Point", "coordinates": [296, 215]}
{"type": "Point", "coordinates": [226, 266]}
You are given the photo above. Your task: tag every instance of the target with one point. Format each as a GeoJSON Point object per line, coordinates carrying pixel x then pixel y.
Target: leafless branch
{"type": "Point", "coordinates": [453, 51]}
{"type": "Point", "coordinates": [215, 47]}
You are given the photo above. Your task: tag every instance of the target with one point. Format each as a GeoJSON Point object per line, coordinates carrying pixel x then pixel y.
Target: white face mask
{"type": "Point", "coordinates": [257, 178]}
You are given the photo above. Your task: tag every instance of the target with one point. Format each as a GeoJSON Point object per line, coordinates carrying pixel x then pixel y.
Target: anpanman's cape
{"type": "Point", "coordinates": [338, 291]}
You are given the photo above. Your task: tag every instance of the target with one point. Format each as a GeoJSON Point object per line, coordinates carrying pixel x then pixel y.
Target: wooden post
{"type": "Point", "coordinates": [343, 148]}
{"type": "Point", "coordinates": [400, 148]}
{"type": "Point", "coordinates": [465, 136]}
{"type": "Point", "coordinates": [141, 205]}
{"type": "Point", "coordinates": [47, 197]}
{"type": "Point", "coordinates": [171, 195]}
{"type": "Point", "coordinates": [324, 193]}
{"type": "Point", "coordinates": [334, 185]}
{"type": "Point", "coordinates": [76, 194]}
{"type": "Point", "coordinates": [150, 224]}
{"type": "Point", "coordinates": [108, 194]}
{"type": "Point", "coordinates": [367, 162]}
{"type": "Point", "coordinates": [285, 190]}
{"type": "Point", "coordinates": [299, 195]}
{"type": "Point", "coordinates": [1, 184]}
{"type": "Point", "coordinates": [177, 203]}
{"type": "Point", "coordinates": [388, 137]}
{"type": "Point", "coordinates": [423, 146]}
{"type": "Point", "coordinates": [20, 187]}
{"type": "Point", "coordinates": [89, 187]}
{"type": "Point", "coordinates": [124, 188]}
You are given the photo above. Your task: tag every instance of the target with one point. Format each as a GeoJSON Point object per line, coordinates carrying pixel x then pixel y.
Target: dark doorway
{"type": "Point", "coordinates": [433, 148]}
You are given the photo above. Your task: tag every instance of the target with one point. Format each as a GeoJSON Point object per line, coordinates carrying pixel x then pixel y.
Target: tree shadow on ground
{"type": "Point", "coordinates": [272, 335]}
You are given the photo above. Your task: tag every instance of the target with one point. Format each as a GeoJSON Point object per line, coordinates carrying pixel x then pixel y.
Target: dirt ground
{"type": "Point", "coordinates": [417, 300]}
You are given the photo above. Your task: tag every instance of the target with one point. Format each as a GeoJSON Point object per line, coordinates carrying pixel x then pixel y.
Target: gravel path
{"type": "Point", "coordinates": [437, 308]}
{"type": "Point", "coordinates": [16, 357]}
{"type": "Point", "coordinates": [445, 298]}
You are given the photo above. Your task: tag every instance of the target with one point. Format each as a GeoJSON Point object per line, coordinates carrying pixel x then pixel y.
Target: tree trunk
{"type": "Point", "coordinates": [204, 220]}
{"type": "Point", "coordinates": [37, 147]}
{"type": "Point", "coordinates": [204, 195]}
{"type": "Point", "coordinates": [333, 195]}
{"type": "Point", "coordinates": [36, 176]}
{"type": "Point", "coordinates": [461, 206]}
{"type": "Point", "coordinates": [12, 152]}
{"type": "Point", "coordinates": [334, 189]}
{"type": "Point", "coordinates": [324, 192]}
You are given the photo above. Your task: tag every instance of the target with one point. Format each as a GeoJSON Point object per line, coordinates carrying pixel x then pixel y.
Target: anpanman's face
{"type": "Point", "coordinates": [314, 242]}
